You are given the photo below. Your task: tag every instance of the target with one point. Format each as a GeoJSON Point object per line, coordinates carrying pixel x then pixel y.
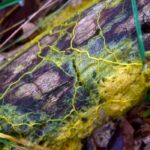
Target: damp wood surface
{"type": "Point", "coordinates": [56, 76]}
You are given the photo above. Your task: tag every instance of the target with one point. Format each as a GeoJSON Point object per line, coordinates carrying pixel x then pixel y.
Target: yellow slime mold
{"type": "Point", "coordinates": [125, 88]}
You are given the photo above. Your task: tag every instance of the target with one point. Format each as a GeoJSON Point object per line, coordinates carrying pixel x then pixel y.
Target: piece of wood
{"type": "Point", "coordinates": [39, 78]}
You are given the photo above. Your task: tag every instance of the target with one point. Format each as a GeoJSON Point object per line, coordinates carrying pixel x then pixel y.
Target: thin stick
{"type": "Point", "coordinates": [13, 26]}
{"type": "Point", "coordinates": [49, 3]}
{"type": "Point", "coordinates": [22, 142]}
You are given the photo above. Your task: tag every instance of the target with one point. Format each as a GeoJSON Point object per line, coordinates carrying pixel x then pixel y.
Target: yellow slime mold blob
{"type": "Point", "coordinates": [124, 89]}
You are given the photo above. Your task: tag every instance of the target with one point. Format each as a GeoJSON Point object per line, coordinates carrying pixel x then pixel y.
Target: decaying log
{"type": "Point", "coordinates": [34, 82]}
{"type": "Point", "coordinates": [117, 23]}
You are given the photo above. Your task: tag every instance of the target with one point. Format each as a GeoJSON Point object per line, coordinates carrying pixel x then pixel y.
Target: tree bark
{"type": "Point", "coordinates": [34, 81]}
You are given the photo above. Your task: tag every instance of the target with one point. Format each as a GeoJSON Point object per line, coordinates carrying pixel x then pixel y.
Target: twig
{"type": "Point", "coordinates": [49, 3]}
{"type": "Point", "coordinates": [22, 142]}
{"type": "Point", "coordinates": [8, 29]}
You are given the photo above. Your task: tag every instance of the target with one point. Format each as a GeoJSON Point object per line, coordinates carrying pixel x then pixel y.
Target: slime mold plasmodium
{"type": "Point", "coordinates": [69, 85]}
{"type": "Point", "coordinates": [125, 88]}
